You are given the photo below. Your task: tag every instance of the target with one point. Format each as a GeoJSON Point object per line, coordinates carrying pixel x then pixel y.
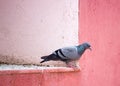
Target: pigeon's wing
{"type": "Point", "coordinates": [70, 53]}
{"type": "Point", "coordinates": [49, 57]}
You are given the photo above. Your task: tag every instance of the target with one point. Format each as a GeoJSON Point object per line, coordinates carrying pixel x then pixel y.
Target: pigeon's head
{"type": "Point", "coordinates": [87, 46]}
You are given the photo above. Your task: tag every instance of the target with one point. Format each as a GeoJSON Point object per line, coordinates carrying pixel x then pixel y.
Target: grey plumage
{"type": "Point", "coordinates": [67, 53]}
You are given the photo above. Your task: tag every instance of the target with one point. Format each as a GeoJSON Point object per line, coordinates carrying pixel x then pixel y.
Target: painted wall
{"type": "Point", "coordinates": [30, 29]}
{"type": "Point", "coordinates": [100, 25]}
{"type": "Point", "coordinates": [37, 78]}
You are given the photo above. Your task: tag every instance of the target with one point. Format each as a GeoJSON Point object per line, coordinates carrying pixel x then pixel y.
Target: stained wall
{"type": "Point", "coordinates": [31, 29]}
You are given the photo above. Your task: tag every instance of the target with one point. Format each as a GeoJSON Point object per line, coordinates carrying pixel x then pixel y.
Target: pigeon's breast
{"type": "Point", "coordinates": [70, 53]}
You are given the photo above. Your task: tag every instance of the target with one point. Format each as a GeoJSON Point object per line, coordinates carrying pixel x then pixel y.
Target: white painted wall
{"type": "Point", "coordinates": [32, 28]}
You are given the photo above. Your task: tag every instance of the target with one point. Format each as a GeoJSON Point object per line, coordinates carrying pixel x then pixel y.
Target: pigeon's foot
{"type": "Point", "coordinates": [73, 64]}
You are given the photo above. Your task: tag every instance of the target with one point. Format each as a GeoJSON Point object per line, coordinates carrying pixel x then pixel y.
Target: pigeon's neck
{"type": "Point", "coordinates": [80, 49]}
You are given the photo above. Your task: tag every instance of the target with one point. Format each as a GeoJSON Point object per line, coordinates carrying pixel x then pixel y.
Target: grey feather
{"type": "Point", "coordinates": [69, 53]}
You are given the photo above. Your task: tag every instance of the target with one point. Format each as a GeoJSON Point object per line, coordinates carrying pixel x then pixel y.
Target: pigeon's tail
{"type": "Point", "coordinates": [45, 58]}
{"type": "Point", "coordinates": [50, 57]}
{"type": "Point", "coordinates": [42, 61]}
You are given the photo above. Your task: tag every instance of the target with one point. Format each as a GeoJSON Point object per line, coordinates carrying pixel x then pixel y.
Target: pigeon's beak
{"type": "Point", "coordinates": [90, 48]}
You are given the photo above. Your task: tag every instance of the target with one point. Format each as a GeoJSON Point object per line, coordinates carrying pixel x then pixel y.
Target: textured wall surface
{"type": "Point", "coordinates": [100, 25]}
{"type": "Point", "coordinates": [52, 77]}
{"type": "Point", "coordinates": [30, 29]}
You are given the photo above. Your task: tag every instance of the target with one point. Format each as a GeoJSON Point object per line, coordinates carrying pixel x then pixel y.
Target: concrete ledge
{"type": "Point", "coordinates": [45, 76]}
{"type": "Point", "coordinates": [17, 75]}
{"type": "Point", "coordinates": [20, 69]}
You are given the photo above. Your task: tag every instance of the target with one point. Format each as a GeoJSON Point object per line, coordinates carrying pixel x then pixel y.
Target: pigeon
{"type": "Point", "coordinates": [67, 54]}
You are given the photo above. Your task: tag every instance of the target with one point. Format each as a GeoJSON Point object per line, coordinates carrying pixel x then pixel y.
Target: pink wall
{"type": "Point", "coordinates": [100, 25]}
{"type": "Point", "coordinates": [44, 77]}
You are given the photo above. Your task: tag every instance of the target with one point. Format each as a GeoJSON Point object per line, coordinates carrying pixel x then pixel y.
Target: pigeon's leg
{"type": "Point", "coordinates": [68, 63]}
{"type": "Point", "coordinates": [72, 64]}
